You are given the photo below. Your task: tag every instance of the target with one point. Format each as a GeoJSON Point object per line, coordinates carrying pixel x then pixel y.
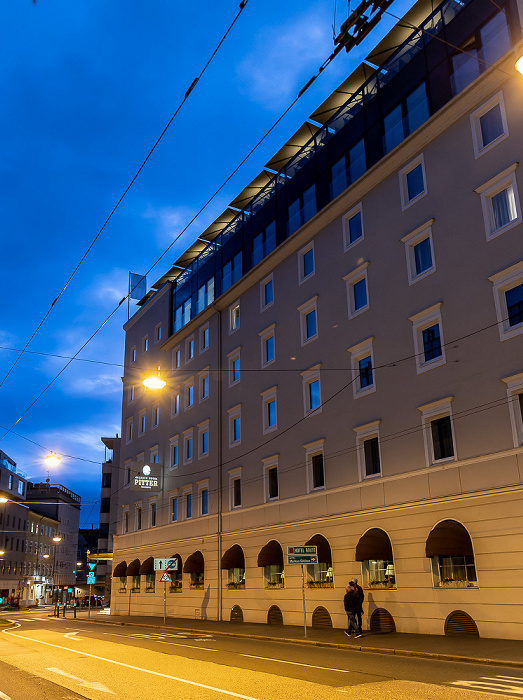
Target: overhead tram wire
{"type": "Point", "coordinates": [243, 3]}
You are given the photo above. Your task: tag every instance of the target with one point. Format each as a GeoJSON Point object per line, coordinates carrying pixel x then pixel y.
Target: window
{"type": "Point", "coordinates": [231, 271]}
{"type": "Point", "coordinates": [145, 344]}
{"type": "Point", "coordinates": [309, 320]}
{"type": "Point", "coordinates": [306, 263]}
{"type": "Point", "coordinates": [270, 474]}
{"type": "Point", "coordinates": [204, 338]}
{"type": "Point", "coordinates": [203, 439]}
{"type": "Point", "coordinates": [235, 487]}
{"type": "Point", "coordinates": [405, 118]}
{"type": "Point", "coordinates": [187, 495]}
{"type": "Point", "coordinates": [234, 426]}
{"type": "Point", "coordinates": [189, 349]}
{"type": "Point", "coordinates": [357, 295]}
{"type": "Point", "coordinates": [515, 402]}
{"type": "Point", "coordinates": [263, 243]}
{"type": "Point", "coordinates": [489, 125]}
{"type": "Point", "coordinates": [174, 509]}
{"type": "Point", "coordinates": [438, 431]}
{"type": "Point", "coordinates": [176, 358]}
{"type": "Point", "coordinates": [315, 465]}
{"type": "Point", "coordinates": [368, 447]}
{"type": "Point", "coordinates": [189, 393]}
{"type": "Point", "coordinates": [508, 300]}
{"type": "Point", "coordinates": [138, 515]}
{"type": "Point", "coordinates": [127, 470]}
{"type": "Point", "coordinates": [362, 365]}
{"type": "Point", "coordinates": [234, 367]}
{"type": "Point", "coordinates": [419, 250]}
{"type": "Point", "coordinates": [132, 355]}
{"type": "Point", "coordinates": [130, 394]}
{"type": "Point", "coordinates": [182, 315]}
{"type": "Point", "coordinates": [205, 295]}
{"type": "Point", "coordinates": [412, 182]}
{"type": "Point", "coordinates": [301, 210]}
{"type": "Point", "coordinates": [155, 416]}
{"type": "Point", "coordinates": [269, 416]}
{"type": "Point", "coordinates": [429, 345]}
{"type": "Point", "coordinates": [106, 480]}
{"type": "Point", "coordinates": [158, 333]}
{"type": "Point", "coordinates": [105, 505]}
{"type": "Point", "coordinates": [500, 202]}
{"type": "Point", "coordinates": [187, 446]}
{"type": "Point", "coordinates": [348, 169]}
{"type": "Point", "coordinates": [234, 317]}
{"type": "Point", "coordinates": [311, 390]}
{"type": "Point", "coordinates": [203, 497]}
{"type": "Point", "coordinates": [125, 523]}
{"type": "Point", "coordinates": [129, 430]}
{"type": "Point", "coordinates": [352, 224]}
{"type": "Point", "coordinates": [203, 380]}
{"type": "Point", "coordinates": [175, 404]}
{"type": "Point", "coordinates": [21, 487]}
{"type": "Point", "coordinates": [152, 514]}
{"type": "Point", "coordinates": [141, 422]}
{"type": "Point", "coordinates": [266, 292]}
{"type": "Point", "coordinates": [173, 452]}
{"type": "Point", "coordinates": [267, 338]}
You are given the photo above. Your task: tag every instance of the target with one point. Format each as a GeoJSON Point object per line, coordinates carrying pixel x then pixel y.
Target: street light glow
{"type": "Point", "coordinates": [519, 65]}
{"type": "Point", "coordinates": [153, 382]}
{"type": "Point", "coordinates": [57, 539]}
{"type": "Point", "coordinates": [52, 460]}
{"type": "Point", "coordinates": [3, 500]}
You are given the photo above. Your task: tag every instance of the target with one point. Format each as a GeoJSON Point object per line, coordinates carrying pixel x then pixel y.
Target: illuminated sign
{"type": "Point", "coordinates": [146, 476]}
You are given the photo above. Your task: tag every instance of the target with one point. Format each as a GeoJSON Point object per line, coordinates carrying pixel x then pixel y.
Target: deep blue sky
{"type": "Point", "coordinates": [86, 90]}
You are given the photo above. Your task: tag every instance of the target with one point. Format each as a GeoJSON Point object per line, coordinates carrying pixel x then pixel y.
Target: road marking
{"type": "Point", "coordinates": [3, 696]}
{"type": "Point", "coordinates": [81, 682]}
{"type": "Point", "coordinates": [135, 668]}
{"type": "Point", "coordinates": [296, 663]}
{"type": "Point", "coordinates": [24, 619]}
{"type": "Point", "coordinates": [69, 635]}
{"type": "Point", "coordinates": [156, 635]}
{"type": "Point", "coordinates": [496, 684]}
{"type": "Point", "coordinates": [180, 644]}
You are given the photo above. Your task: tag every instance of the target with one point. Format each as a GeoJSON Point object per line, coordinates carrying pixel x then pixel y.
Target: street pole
{"type": "Point", "coordinates": [89, 612]}
{"type": "Point", "coordinates": [304, 611]}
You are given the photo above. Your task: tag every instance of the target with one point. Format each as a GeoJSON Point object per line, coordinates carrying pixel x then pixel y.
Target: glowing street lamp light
{"type": "Point", "coordinates": [519, 65]}
{"type": "Point", "coordinates": [57, 539]}
{"type": "Point", "coordinates": [154, 382]}
{"type": "Point", "coordinates": [4, 500]}
{"type": "Point", "coordinates": [52, 460]}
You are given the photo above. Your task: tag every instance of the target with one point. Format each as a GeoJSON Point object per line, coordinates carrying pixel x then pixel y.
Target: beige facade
{"type": "Point", "coordinates": [380, 373]}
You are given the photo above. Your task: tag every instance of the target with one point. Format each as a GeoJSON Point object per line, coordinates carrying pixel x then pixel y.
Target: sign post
{"type": "Point", "coordinates": [90, 580]}
{"type": "Point", "coordinates": [166, 579]}
{"type": "Point", "coordinates": [302, 555]}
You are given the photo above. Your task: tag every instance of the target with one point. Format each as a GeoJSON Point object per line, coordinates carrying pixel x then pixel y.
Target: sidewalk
{"type": "Point", "coordinates": [498, 652]}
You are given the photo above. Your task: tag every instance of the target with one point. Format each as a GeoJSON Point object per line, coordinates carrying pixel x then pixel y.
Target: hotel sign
{"type": "Point", "coordinates": [146, 476]}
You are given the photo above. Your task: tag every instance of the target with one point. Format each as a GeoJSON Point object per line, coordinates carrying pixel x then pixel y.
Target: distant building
{"type": "Point", "coordinates": [40, 558]}
{"type": "Point", "coordinates": [343, 351]}
{"type": "Point", "coordinates": [13, 525]}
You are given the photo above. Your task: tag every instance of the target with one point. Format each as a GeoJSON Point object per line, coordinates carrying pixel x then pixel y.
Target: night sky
{"type": "Point", "coordinates": [87, 88]}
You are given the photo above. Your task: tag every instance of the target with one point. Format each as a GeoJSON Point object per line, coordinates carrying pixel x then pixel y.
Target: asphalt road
{"type": "Point", "coordinates": [92, 660]}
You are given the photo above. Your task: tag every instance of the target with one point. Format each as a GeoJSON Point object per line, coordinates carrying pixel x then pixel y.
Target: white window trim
{"type": "Point", "coordinates": [310, 375]}
{"type": "Point", "coordinates": [154, 452]}
{"type": "Point", "coordinates": [267, 396]}
{"type": "Point", "coordinates": [406, 203]}
{"type": "Point", "coordinates": [264, 336]}
{"type": "Point", "coordinates": [127, 465]}
{"type": "Point", "coordinates": [138, 506]}
{"type": "Point", "coordinates": [175, 394]}
{"type": "Point", "coordinates": [303, 310]}
{"type": "Point", "coordinates": [132, 354]}
{"type": "Point", "coordinates": [312, 449]}
{"type": "Point", "coordinates": [492, 187]}
{"type": "Point", "coordinates": [230, 359]}
{"type": "Point", "coordinates": [366, 432]}
{"type": "Point", "coordinates": [234, 412]}
{"type": "Point", "coordinates": [432, 411]}
{"type": "Point", "coordinates": [188, 356]}
{"type": "Point", "coordinates": [514, 385]}
{"type": "Point", "coordinates": [129, 422]}
{"type": "Point", "coordinates": [232, 309]}
{"type": "Point", "coordinates": [187, 489]}
{"type": "Point", "coordinates": [359, 352]}
{"type": "Point", "coordinates": [202, 485]}
{"type": "Point", "coordinates": [270, 463]}
{"type": "Point", "coordinates": [125, 511]}
{"type": "Point", "coordinates": [130, 394]}
{"type": "Point", "coordinates": [157, 329]}
{"type": "Point", "coordinates": [142, 419]}
{"type": "Point", "coordinates": [204, 328]}
{"type": "Point", "coordinates": [174, 442]}
{"type": "Point", "coordinates": [201, 376]}
{"type": "Point", "coordinates": [420, 321]}
{"type": "Point", "coordinates": [172, 494]}
{"type": "Point", "coordinates": [235, 473]}
{"type": "Point", "coordinates": [187, 435]}
{"type": "Point", "coordinates": [155, 411]}
{"type": "Point", "coordinates": [263, 283]}
{"type": "Point", "coordinates": [145, 344]}
{"type": "Point", "coordinates": [301, 253]}
{"type": "Point", "coordinates": [175, 355]}
{"type": "Point", "coordinates": [202, 428]}
{"type": "Point", "coordinates": [351, 279]}
{"type": "Point", "coordinates": [152, 501]}
{"type": "Point", "coordinates": [479, 149]}
{"type": "Point", "coordinates": [188, 383]}
{"type": "Point", "coordinates": [347, 245]}
{"type": "Point", "coordinates": [411, 240]}
{"type": "Point", "coordinates": [502, 282]}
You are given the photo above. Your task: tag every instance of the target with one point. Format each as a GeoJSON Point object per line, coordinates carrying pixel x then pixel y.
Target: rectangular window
{"type": "Point", "coordinates": [129, 431]}
{"type": "Point", "coordinates": [489, 125]}
{"type": "Point", "coordinates": [106, 480]}
{"type": "Point", "coordinates": [266, 293]}
{"type": "Point", "coordinates": [231, 272]}
{"type": "Point", "coordinates": [173, 449]}
{"type": "Point", "coordinates": [204, 338]}
{"type": "Point", "coordinates": [263, 243]}
{"type": "Point", "coordinates": [189, 349]}
{"type": "Point", "coordinates": [188, 449]}
{"type": "Point", "coordinates": [318, 476]}
{"type": "Point", "coordinates": [442, 443]}
{"type": "Point", "coordinates": [413, 182]}
{"type": "Point", "coordinates": [158, 333]}
{"type": "Point", "coordinates": [234, 367]}
{"type": "Point", "coordinates": [500, 202]}
{"type": "Point", "coordinates": [21, 487]}
{"type": "Point", "coordinates": [141, 422]}
{"type": "Point", "coordinates": [438, 430]}
{"type": "Point", "coordinates": [236, 493]}
{"type": "Point", "coordinates": [156, 416]}
{"type": "Point", "coordinates": [272, 482]}
{"type": "Point", "coordinates": [234, 426]}
{"type": "Point", "coordinates": [234, 316]}
{"type": "Point", "coordinates": [357, 292]}
{"type": "Point", "coordinates": [204, 442]}
{"type": "Point", "coordinates": [352, 227]}
{"type": "Point", "coordinates": [428, 338]}
{"type": "Point", "coordinates": [514, 300]}
{"type": "Point", "coordinates": [311, 390]}
{"type": "Point", "coordinates": [368, 447]}
{"type": "Point", "coordinates": [138, 518]}
{"type": "Point", "coordinates": [205, 295]}
{"type": "Point", "coordinates": [431, 342]}
{"type": "Point", "coordinates": [204, 501]}
{"type": "Point", "coordinates": [405, 118]}
{"type": "Point", "coordinates": [175, 404]}
{"type": "Point", "coordinates": [269, 417]}
{"type": "Point", "coordinates": [188, 506]}
{"type": "Point", "coordinates": [125, 522]}
{"type": "Point", "coordinates": [508, 299]}
{"type": "Point", "coordinates": [371, 452]}
{"type": "Point", "coordinates": [301, 210]}
{"type": "Point", "coordinates": [176, 358]}
{"type": "Point", "coordinates": [174, 509]}
{"type": "Point", "coordinates": [306, 263]}
{"type": "Point", "coordinates": [204, 386]}
{"type": "Point", "coordinates": [309, 320]}
{"type": "Point", "coordinates": [145, 344]}
{"type": "Point", "coordinates": [132, 355]}
{"type": "Point", "coordinates": [189, 393]}
{"type": "Point", "coordinates": [267, 339]}
{"type": "Point", "coordinates": [153, 514]}
{"type": "Point", "coordinates": [365, 372]}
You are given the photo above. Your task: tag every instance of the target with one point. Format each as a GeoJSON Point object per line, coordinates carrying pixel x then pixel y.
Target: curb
{"type": "Point", "coordinates": [333, 645]}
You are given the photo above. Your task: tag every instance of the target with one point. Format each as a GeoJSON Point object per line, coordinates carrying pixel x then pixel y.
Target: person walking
{"type": "Point", "coordinates": [361, 596]}
{"type": "Point", "coordinates": [351, 603]}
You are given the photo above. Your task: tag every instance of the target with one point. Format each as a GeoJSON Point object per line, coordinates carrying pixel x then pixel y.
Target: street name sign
{"type": "Point", "coordinates": [302, 555]}
{"type": "Point", "coordinates": [166, 564]}
{"type": "Point", "coordinates": [166, 578]}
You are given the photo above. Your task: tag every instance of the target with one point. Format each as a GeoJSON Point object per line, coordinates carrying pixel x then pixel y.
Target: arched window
{"type": "Point", "coordinates": [320, 575]}
{"type": "Point", "coordinates": [450, 548]}
{"type": "Point", "coordinates": [374, 550]}
{"type": "Point", "coordinates": [271, 558]}
{"type": "Point", "coordinates": [194, 565]}
{"type": "Point", "coordinates": [147, 570]}
{"type": "Point", "coordinates": [234, 561]}
{"type": "Point", "coordinates": [120, 572]}
{"type": "Point", "coordinates": [176, 575]}
{"type": "Point", "coordinates": [134, 570]}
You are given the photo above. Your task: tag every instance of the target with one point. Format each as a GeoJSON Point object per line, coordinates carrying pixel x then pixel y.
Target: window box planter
{"type": "Point", "coordinates": [320, 584]}
{"type": "Point", "coordinates": [452, 583]}
{"type": "Point", "coordinates": [274, 584]}
{"type": "Point", "coordinates": [196, 586]}
{"type": "Point", "coordinates": [233, 585]}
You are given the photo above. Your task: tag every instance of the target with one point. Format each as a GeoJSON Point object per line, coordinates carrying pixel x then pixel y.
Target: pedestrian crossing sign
{"type": "Point", "coordinates": [166, 578]}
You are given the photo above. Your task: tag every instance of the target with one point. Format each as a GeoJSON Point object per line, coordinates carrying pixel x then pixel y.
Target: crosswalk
{"type": "Point", "coordinates": [506, 685]}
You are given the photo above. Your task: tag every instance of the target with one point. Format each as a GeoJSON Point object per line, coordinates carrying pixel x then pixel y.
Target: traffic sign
{"type": "Point", "coordinates": [166, 578]}
{"type": "Point", "coordinates": [91, 578]}
{"type": "Point", "coordinates": [166, 564]}
{"type": "Point", "coordinates": [91, 565]}
{"type": "Point", "coordinates": [302, 555]}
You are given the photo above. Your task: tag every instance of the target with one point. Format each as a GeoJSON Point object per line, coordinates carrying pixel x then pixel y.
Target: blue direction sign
{"type": "Point", "coordinates": [166, 564]}
{"type": "Point", "coordinates": [91, 578]}
{"type": "Point", "coordinates": [302, 555]}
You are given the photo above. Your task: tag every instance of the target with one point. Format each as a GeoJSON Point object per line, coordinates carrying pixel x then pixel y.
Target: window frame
{"type": "Point", "coordinates": [304, 310]}
{"type": "Point", "coordinates": [404, 189]}
{"type": "Point", "coordinates": [502, 282]}
{"type": "Point", "coordinates": [312, 449]}
{"type": "Point", "coordinates": [188, 439]}
{"type": "Point", "coordinates": [231, 357]}
{"type": "Point", "coordinates": [235, 475]}
{"type": "Point", "coordinates": [302, 277]}
{"type": "Point", "coordinates": [269, 463]}
{"type": "Point", "coordinates": [411, 240]}
{"type": "Point", "coordinates": [187, 502]}
{"type": "Point", "coordinates": [176, 357]}
{"type": "Point", "coordinates": [145, 344]}
{"type": "Point", "coordinates": [175, 403]}
{"type": "Point", "coordinates": [351, 279]}
{"type": "Point", "coordinates": [269, 396]}
{"type": "Point", "coordinates": [365, 432]}
{"type": "Point", "coordinates": [354, 211]}
{"type": "Point", "coordinates": [310, 376]}
{"type": "Point", "coordinates": [203, 427]}
{"type": "Point", "coordinates": [203, 486]}
{"type": "Point", "coordinates": [429, 413]}
{"type": "Point", "coordinates": [359, 352]}
{"type": "Point", "coordinates": [263, 284]}
{"type": "Point", "coordinates": [202, 377]}
{"type": "Point", "coordinates": [514, 387]}
{"type": "Point", "coordinates": [234, 316]}
{"type": "Point", "coordinates": [204, 332]}
{"type": "Point", "coordinates": [174, 452]}
{"type": "Point", "coordinates": [153, 512]}
{"type": "Point", "coordinates": [188, 393]}
{"type": "Point", "coordinates": [155, 415]}
{"type": "Point", "coordinates": [234, 413]}
{"type": "Point", "coordinates": [475, 124]}
{"type": "Point", "coordinates": [264, 336]}
{"type": "Point", "coordinates": [129, 430]}
{"type": "Point", "coordinates": [189, 349]}
{"type": "Point", "coordinates": [174, 503]}
{"type": "Point", "coordinates": [422, 321]}
{"type": "Point", "coordinates": [157, 333]}
{"type": "Point", "coordinates": [497, 184]}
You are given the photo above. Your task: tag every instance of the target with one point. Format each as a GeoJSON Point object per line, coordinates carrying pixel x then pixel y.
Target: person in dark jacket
{"type": "Point", "coordinates": [351, 603]}
{"type": "Point", "coordinates": [361, 595]}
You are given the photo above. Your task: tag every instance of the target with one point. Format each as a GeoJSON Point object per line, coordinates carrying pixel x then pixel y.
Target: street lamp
{"type": "Point", "coordinates": [519, 65]}
{"type": "Point", "coordinates": [52, 460]}
{"type": "Point", "coordinates": [154, 381]}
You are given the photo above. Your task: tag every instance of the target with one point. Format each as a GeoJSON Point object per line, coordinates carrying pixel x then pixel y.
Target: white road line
{"type": "Point", "coordinates": [23, 619]}
{"type": "Point", "coordinates": [3, 696]}
{"type": "Point", "coordinates": [179, 644]}
{"type": "Point", "coordinates": [296, 663]}
{"type": "Point", "coordinates": [69, 635]}
{"type": "Point", "coordinates": [81, 682]}
{"type": "Point", "coordinates": [493, 687]}
{"type": "Point", "coordinates": [136, 668]}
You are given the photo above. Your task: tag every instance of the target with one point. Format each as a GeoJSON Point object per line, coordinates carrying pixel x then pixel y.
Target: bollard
{"type": "Point", "coordinates": [65, 605]}
{"type": "Point", "coordinates": [74, 609]}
